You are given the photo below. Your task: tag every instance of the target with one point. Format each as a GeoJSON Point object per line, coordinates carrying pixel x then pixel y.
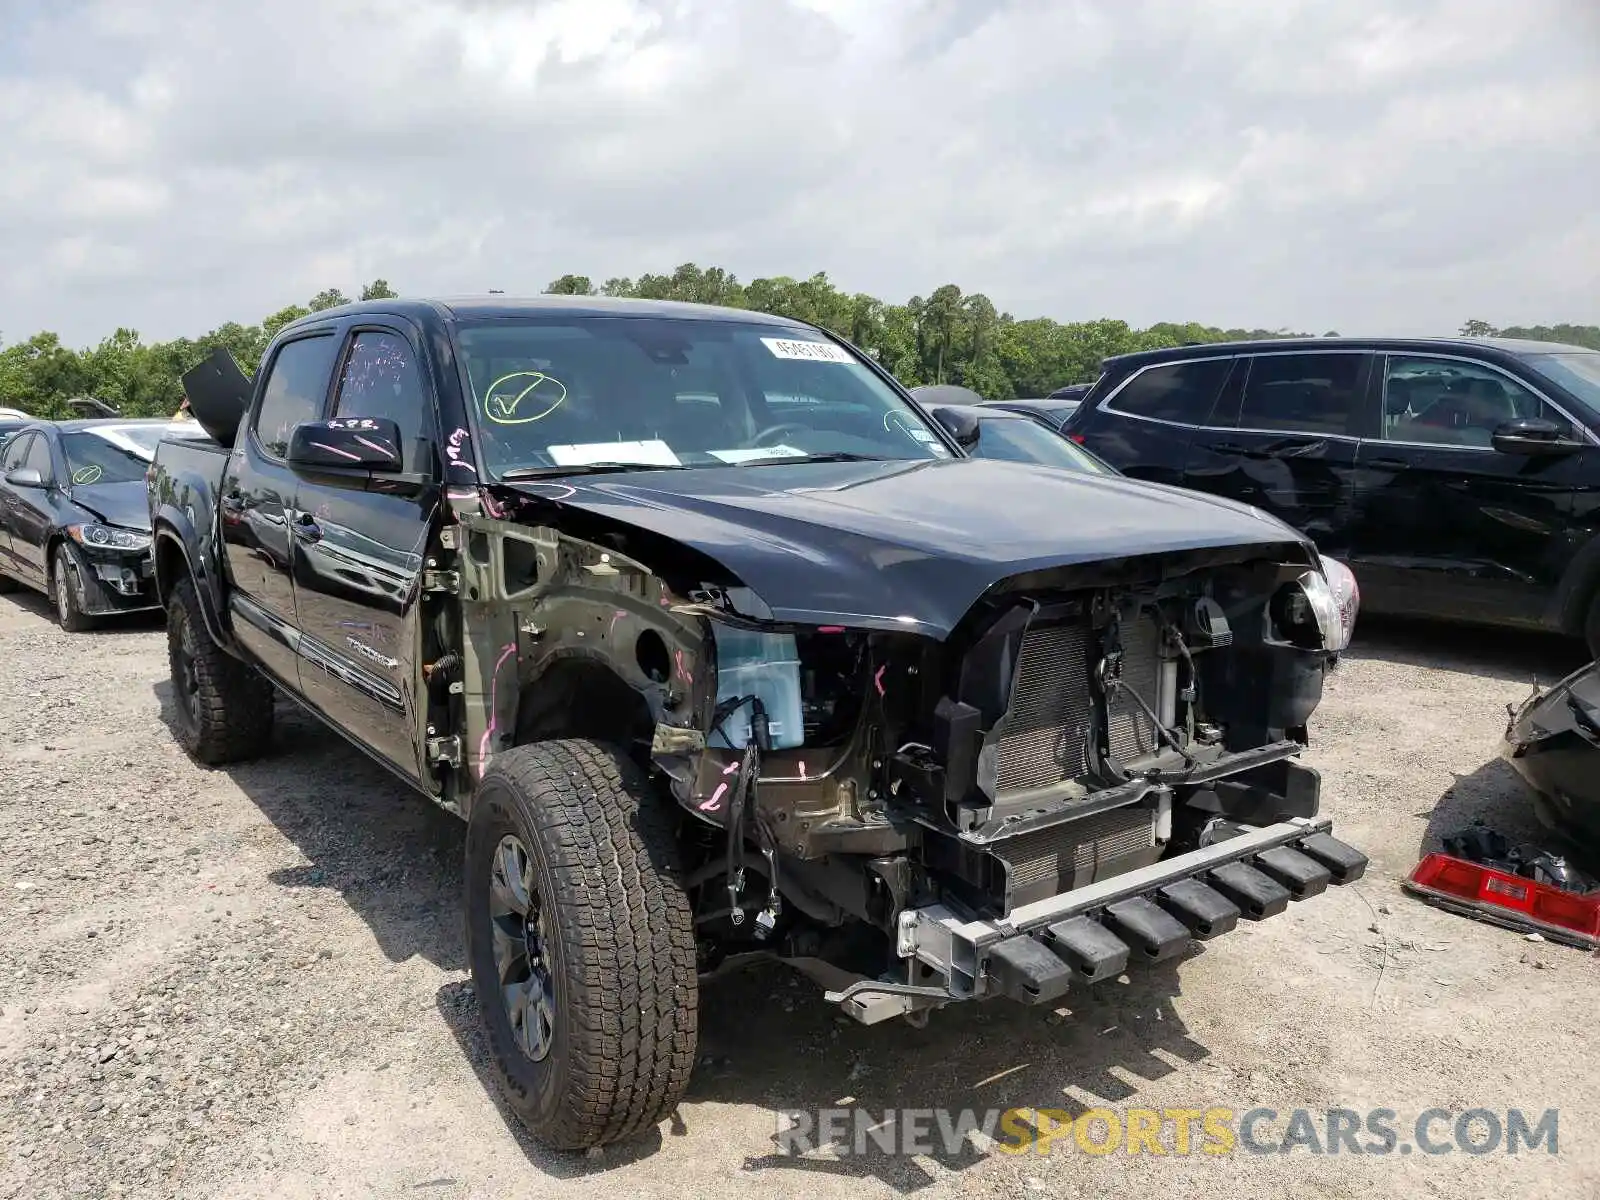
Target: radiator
{"type": "Point", "coordinates": [1044, 737]}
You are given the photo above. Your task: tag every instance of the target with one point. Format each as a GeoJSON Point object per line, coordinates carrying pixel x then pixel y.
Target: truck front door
{"type": "Point", "coordinates": [257, 500]}
{"type": "Point", "coordinates": [358, 559]}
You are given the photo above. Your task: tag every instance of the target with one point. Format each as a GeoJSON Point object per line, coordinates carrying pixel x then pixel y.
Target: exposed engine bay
{"type": "Point", "coordinates": [850, 796]}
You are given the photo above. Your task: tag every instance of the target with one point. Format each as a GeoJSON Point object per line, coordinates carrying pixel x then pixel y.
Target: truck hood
{"type": "Point", "coordinates": [124, 504]}
{"type": "Point", "coordinates": [909, 545]}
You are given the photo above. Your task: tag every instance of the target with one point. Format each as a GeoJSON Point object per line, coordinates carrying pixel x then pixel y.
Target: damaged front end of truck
{"type": "Point", "coordinates": [1014, 778]}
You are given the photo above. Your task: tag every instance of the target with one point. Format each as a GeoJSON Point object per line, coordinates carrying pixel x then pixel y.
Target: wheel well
{"type": "Point", "coordinates": [580, 698]}
{"type": "Point", "coordinates": [171, 565]}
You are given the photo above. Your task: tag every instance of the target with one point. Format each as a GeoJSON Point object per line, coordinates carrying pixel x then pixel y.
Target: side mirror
{"type": "Point", "coordinates": [962, 426]}
{"type": "Point", "coordinates": [355, 443]}
{"type": "Point", "coordinates": [25, 477]}
{"type": "Point", "coordinates": [1531, 436]}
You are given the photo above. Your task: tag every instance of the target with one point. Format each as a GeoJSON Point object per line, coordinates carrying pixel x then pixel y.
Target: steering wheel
{"type": "Point", "coordinates": [766, 436]}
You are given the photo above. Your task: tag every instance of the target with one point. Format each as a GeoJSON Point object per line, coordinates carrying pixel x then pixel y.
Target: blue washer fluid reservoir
{"type": "Point", "coordinates": [764, 665]}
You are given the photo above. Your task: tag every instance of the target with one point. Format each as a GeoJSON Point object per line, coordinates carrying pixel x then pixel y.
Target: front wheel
{"type": "Point", "coordinates": [581, 943]}
{"type": "Point", "coordinates": [67, 582]}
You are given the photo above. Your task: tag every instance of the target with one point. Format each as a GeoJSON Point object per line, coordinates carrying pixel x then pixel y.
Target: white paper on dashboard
{"type": "Point", "coordinates": [651, 453]}
{"type": "Point", "coordinates": [804, 350]}
{"type": "Point", "coordinates": [756, 453]}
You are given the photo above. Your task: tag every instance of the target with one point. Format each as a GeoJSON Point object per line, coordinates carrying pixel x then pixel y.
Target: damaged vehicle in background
{"type": "Point", "coordinates": [73, 518]}
{"type": "Point", "coordinates": [722, 648]}
{"type": "Point", "coordinates": [1553, 742]}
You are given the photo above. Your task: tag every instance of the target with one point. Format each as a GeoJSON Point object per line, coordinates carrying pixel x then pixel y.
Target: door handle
{"type": "Point", "coordinates": [1391, 464]}
{"type": "Point", "coordinates": [1227, 448]}
{"type": "Point", "coordinates": [1293, 449]}
{"type": "Point", "coordinates": [307, 529]}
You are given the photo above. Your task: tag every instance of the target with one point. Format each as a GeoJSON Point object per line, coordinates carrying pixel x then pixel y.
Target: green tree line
{"type": "Point", "coordinates": [948, 336]}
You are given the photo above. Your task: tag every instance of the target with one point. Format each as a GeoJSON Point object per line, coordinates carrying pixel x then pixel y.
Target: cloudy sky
{"type": "Point", "coordinates": [1320, 164]}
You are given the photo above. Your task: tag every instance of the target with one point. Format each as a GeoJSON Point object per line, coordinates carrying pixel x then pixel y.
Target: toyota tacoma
{"type": "Point", "coordinates": [721, 648]}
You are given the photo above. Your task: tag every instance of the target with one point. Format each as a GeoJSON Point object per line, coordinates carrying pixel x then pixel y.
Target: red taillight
{"type": "Point", "coordinates": [1075, 437]}
{"type": "Point", "coordinates": [1509, 899]}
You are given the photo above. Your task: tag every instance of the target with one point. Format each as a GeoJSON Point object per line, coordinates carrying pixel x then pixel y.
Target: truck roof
{"type": "Point", "coordinates": [495, 305]}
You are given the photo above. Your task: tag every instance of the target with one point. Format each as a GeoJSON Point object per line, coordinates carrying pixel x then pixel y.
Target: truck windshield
{"type": "Point", "coordinates": [657, 391]}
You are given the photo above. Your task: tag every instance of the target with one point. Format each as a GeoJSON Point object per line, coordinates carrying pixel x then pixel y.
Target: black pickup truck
{"type": "Point", "coordinates": [722, 647]}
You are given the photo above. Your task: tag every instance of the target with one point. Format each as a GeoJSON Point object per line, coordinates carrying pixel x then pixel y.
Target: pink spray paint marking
{"type": "Point", "coordinates": [682, 670]}
{"type": "Point", "coordinates": [715, 801]}
{"type": "Point", "coordinates": [877, 678]}
{"type": "Point", "coordinates": [830, 628]}
{"type": "Point", "coordinates": [494, 687]}
{"type": "Point", "coordinates": [615, 617]}
{"type": "Point", "coordinates": [802, 768]}
{"type": "Point", "coordinates": [730, 768]}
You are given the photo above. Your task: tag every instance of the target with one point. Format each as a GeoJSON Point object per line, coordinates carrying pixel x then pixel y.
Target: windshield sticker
{"type": "Point", "coordinates": [523, 397]}
{"type": "Point", "coordinates": [807, 351]}
{"type": "Point", "coordinates": [88, 475]}
{"type": "Point", "coordinates": [922, 435]}
{"type": "Point", "coordinates": [938, 449]}
{"type": "Point", "coordinates": [755, 453]}
{"type": "Point", "coordinates": [652, 453]}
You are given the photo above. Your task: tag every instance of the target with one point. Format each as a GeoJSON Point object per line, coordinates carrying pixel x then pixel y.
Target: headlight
{"type": "Point", "coordinates": [1346, 593]}
{"type": "Point", "coordinates": [1307, 613]}
{"type": "Point", "coordinates": [109, 537]}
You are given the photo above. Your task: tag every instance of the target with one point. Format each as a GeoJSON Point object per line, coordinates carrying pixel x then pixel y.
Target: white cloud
{"type": "Point", "coordinates": [1359, 166]}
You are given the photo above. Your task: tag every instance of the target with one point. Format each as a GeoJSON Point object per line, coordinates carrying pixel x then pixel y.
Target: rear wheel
{"type": "Point", "coordinates": [581, 943]}
{"type": "Point", "coordinates": [222, 707]}
{"type": "Point", "coordinates": [67, 582]}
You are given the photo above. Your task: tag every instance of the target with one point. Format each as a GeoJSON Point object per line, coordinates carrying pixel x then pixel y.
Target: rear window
{"type": "Point", "coordinates": [1303, 393]}
{"type": "Point", "coordinates": [1179, 392]}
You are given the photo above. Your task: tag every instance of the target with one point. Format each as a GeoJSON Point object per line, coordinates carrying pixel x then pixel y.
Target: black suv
{"type": "Point", "coordinates": [1457, 477]}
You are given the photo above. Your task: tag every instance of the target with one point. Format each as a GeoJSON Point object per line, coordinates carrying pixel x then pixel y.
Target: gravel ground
{"type": "Point", "coordinates": [250, 982]}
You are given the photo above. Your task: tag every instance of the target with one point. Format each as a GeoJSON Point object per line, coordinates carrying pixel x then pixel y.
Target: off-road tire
{"type": "Point", "coordinates": [619, 944]}
{"type": "Point", "coordinates": [223, 713]}
{"type": "Point", "coordinates": [67, 579]}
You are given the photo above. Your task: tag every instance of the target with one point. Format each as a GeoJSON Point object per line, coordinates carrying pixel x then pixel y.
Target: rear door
{"type": "Point", "coordinates": [1450, 526]}
{"type": "Point", "coordinates": [1145, 424]}
{"type": "Point", "coordinates": [1284, 438]}
{"type": "Point", "coordinates": [358, 558]}
{"type": "Point", "coordinates": [257, 498]}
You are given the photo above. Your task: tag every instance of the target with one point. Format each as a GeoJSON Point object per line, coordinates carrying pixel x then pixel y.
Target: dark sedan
{"type": "Point", "coordinates": [74, 521]}
{"type": "Point", "coordinates": [987, 431]}
{"type": "Point", "coordinates": [1054, 411]}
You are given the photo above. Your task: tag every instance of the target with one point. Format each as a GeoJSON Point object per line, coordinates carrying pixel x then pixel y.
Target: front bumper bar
{"type": "Point", "coordinates": [1094, 932]}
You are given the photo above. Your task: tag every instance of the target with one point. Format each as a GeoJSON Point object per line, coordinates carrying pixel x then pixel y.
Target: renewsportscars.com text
{"type": "Point", "coordinates": [841, 1132]}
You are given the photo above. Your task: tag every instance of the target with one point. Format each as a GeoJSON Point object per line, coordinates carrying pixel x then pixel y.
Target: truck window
{"type": "Point", "coordinates": [295, 389]}
{"type": "Point", "coordinates": [381, 379]}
